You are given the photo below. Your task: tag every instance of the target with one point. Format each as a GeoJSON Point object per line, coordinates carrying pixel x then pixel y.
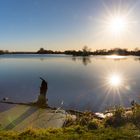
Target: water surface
{"type": "Point", "coordinates": [80, 82]}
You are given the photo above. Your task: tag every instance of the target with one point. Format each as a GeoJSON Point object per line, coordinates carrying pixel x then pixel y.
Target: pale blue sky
{"type": "Point", "coordinates": [27, 25]}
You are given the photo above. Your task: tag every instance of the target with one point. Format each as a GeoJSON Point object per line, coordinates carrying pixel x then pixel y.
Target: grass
{"type": "Point", "coordinates": [86, 127]}
{"type": "Point", "coordinates": [76, 132]}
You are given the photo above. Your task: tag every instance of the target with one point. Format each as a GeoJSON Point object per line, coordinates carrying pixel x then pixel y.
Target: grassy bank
{"type": "Point", "coordinates": [128, 132]}
{"type": "Point", "coordinates": [121, 125]}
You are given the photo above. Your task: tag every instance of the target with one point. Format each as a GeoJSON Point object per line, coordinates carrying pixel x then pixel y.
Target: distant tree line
{"type": "Point", "coordinates": [43, 51]}
{"type": "Point", "coordinates": [84, 52]}
{"type": "Point", "coordinates": [115, 51]}
{"type": "Point", "coordinates": [4, 52]}
{"type": "Point", "coordinates": [17, 52]}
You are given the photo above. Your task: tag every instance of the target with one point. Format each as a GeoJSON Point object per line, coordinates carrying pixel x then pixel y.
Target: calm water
{"type": "Point", "coordinates": [81, 83]}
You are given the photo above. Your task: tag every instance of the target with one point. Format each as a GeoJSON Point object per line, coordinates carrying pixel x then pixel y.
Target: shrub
{"type": "Point", "coordinates": [70, 120]}
{"type": "Point", "coordinates": [85, 118]}
{"type": "Point", "coordinates": [136, 115]}
{"type": "Point", "coordinates": [94, 124]}
{"type": "Point", "coordinates": [118, 118]}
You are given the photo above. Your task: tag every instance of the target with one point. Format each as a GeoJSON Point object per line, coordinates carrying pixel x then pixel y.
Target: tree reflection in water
{"type": "Point", "coordinates": [85, 59]}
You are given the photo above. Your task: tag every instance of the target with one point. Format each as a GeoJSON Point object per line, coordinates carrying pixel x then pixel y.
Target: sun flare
{"type": "Point", "coordinates": [117, 24]}
{"type": "Point", "coordinates": [115, 80]}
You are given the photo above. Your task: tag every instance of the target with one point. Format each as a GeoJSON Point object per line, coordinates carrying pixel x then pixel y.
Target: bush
{"type": "Point", "coordinates": [70, 120]}
{"type": "Point", "coordinates": [118, 118]}
{"type": "Point", "coordinates": [94, 124]}
{"type": "Point", "coordinates": [85, 118]}
{"type": "Point", "coordinates": [136, 115]}
{"type": "Point", "coordinates": [119, 112]}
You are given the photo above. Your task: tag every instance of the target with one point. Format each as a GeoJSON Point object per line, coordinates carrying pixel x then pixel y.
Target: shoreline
{"type": "Point", "coordinates": [99, 115]}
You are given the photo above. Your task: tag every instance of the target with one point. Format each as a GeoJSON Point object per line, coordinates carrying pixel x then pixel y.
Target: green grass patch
{"type": "Point", "coordinates": [77, 132]}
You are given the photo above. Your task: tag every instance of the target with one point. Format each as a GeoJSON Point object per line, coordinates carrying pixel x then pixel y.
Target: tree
{"type": "Point", "coordinates": [42, 50]}
{"type": "Point", "coordinates": [86, 51]}
{"type": "Point", "coordinates": [1, 52]}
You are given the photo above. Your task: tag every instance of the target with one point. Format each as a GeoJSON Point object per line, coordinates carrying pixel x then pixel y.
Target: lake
{"type": "Point", "coordinates": [82, 83]}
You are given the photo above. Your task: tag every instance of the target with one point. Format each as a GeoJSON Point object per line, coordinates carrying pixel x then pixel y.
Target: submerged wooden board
{"type": "Point", "coordinates": [20, 117]}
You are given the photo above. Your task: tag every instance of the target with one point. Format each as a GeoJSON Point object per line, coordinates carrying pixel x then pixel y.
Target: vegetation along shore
{"type": "Point", "coordinates": [84, 52]}
{"type": "Point", "coordinates": [117, 123]}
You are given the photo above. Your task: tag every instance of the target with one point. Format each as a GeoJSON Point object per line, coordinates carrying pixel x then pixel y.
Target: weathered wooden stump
{"type": "Point", "coordinates": [42, 100]}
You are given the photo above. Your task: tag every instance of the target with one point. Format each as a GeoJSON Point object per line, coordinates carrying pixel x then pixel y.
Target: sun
{"type": "Point", "coordinates": [117, 24]}
{"type": "Point", "coordinates": [115, 80]}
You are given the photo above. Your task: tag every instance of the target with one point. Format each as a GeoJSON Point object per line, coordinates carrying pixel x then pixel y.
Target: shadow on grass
{"type": "Point", "coordinates": [21, 118]}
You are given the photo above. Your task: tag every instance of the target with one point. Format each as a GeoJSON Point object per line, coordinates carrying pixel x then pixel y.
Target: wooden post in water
{"type": "Point", "coordinates": [42, 101]}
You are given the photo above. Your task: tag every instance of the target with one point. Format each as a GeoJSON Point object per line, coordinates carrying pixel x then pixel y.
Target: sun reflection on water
{"type": "Point", "coordinates": [115, 57]}
{"type": "Point", "coordinates": [115, 80]}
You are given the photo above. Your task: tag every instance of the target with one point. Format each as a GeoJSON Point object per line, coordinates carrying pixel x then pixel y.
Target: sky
{"type": "Point", "coordinates": [28, 25]}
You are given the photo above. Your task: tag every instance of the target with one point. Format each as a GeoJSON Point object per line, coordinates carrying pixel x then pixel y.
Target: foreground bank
{"type": "Point", "coordinates": [128, 132]}
{"type": "Point", "coordinates": [122, 124]}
